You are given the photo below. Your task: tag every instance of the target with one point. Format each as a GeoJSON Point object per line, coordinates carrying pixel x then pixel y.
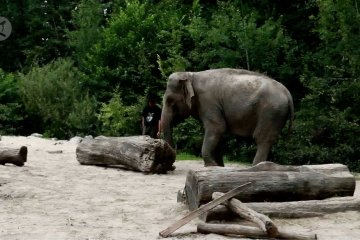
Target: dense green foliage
{"type": "Point", "coordinates": [52, 94]}
{"type": "Point", "coordinates": [10, 107]}
{"type": "Point", "coordinates": [83, 67]}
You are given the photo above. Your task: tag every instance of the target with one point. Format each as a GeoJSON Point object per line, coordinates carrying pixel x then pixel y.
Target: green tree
{"type": "Point", "coordinates": [328, 120]}
{"type": "Point", "coordinates": [138, 38]}
{"type": "Point", "coordinates": [89, 20]}
{"type": "Point", "coordinates": [39, 32]}
{"type": "Point", "coordinates": [118, 119]}
{"type": "Point", "coordinates": [53, 95]}
{"type": "Point", "coordinates": [10, 108]}
{"type": "Point", "coordinates": [230, 38]}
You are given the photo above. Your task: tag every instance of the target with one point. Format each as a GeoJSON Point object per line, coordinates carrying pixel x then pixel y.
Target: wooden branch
{"type": "Point", "coordinates": [13, 155]}
{"type": "Point", "coordinates": [201, 210]}
{"type": "Point", "coordinates": [247, 231]}
{"type": "Point", "coordinates": [261, 220]}
{"type": "Point", "coordinates": [281, 183]}
{"type": "Point", "coordinates": [139, 153]}
{"type": "Point", "coordinates": [295, 209]}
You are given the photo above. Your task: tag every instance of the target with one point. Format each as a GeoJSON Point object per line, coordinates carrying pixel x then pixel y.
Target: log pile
{"type": "Point", "coordinates": [139, 153]}
{"type": "Point", "coordinates": [263, 227]}
{"type": "Point", "coordinates": [294, 209]}
{"type": "Point", "coordinates": [275, 191]}
{"type": "Point", "coordinates": [271, 183]}
{"type": "Point", "coordinates": [16, 156]}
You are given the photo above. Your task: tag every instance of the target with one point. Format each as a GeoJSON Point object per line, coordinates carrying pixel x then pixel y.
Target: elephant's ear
{"type": "Point", "coordinates": [188, 88]}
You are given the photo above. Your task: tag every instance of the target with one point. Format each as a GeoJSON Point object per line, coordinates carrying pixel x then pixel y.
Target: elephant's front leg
{"type": "Point", "coordinates": [211, 148]}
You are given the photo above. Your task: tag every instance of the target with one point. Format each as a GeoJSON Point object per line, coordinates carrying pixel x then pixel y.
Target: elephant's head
{"type": "Point", "coordinates": [176, 102]}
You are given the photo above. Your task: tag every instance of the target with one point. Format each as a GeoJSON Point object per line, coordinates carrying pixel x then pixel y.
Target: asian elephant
{"type": "Point", "coordinates": [242, 102]}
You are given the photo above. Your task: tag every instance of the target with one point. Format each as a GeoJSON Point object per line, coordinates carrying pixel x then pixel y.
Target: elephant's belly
{"type": "Point", "coordinates": [243, 129]}
{"type": "Point", "coordinates": [241, 122]}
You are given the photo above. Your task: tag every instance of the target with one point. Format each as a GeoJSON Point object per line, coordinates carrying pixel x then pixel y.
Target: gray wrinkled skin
{"type": "Point", "coordinates": [244, 103]}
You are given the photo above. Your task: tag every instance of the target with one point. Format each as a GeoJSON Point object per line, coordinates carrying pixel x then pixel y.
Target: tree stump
{"type": "Point", "coordinates": [139, 153]}
{"type": "Point", "coordinates": [271, 183]}
{"type": "Point", "coordinates": [16, 156]}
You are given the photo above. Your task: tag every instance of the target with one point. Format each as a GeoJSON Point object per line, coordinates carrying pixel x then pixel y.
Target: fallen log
{"type": "Point", "coordinates": [16, 156]}
{"type": "Point", "coordinates": [261, 220]}
{"type": "Point", "coordinates": [295, 209]}
{"type": "Point", "coordinates": [139, 153]}
{"type": "Point", "coordinates": [247, 231]}
{"type": "Point", "coordinates": [285, 183]}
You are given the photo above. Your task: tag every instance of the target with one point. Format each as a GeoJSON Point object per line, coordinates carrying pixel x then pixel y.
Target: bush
{"type": "Point", "coordinates": [326, 127]}
{"type": "Point", "coordinates": [118, 119]}
{"type": "Point", "coordinates": [188, 136]}
{"type": "Point", "coordinates": [10, 105]}
{"type": "Point", "coordinates": [53, 94]}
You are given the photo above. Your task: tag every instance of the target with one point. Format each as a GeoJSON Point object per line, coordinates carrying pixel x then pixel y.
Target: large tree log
{"type": "Point", "coordinates": [295, 209]}
{"type": "Point", "coordinates": [280, 183]}
{"type": "Point", "coordinates": [247, 231]}
{"type": "Point", "coordinates": [14, 156]}
{"type": "Point", "coordinates": [139, 153]}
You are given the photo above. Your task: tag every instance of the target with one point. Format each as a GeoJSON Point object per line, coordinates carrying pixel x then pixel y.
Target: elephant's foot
{"type": "Point", "coordinates": [211, 164]}
{"type": "Point", "coordinates": [257, 162]}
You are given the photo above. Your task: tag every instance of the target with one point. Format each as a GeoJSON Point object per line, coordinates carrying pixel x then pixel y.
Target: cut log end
{"type": "Point", "coordinates": [14, 156]}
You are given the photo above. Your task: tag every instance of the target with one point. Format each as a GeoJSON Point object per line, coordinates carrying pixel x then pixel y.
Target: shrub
{"type": "Point", "coordinates": [10, 105]}
{"type": "Point", "coordinates": [118, 119]}
{"type": "Point", "coordinates": [188, 136]}
{"type": "Point", "coordinates": [53, 94]}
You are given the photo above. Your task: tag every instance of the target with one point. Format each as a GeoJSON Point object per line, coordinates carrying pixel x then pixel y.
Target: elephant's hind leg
{"type": "Point", "coordinates": [264, 137]}
{"type": "Point", "coordinates": [262, 151]}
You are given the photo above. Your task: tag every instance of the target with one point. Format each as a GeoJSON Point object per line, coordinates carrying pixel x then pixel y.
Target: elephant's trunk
{"type": "Point", "coordinates": [167, 129]}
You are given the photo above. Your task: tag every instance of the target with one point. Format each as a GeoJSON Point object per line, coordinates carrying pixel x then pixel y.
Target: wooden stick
{"type": "Point", "coordinates": [263, 221]}
{"type": "Point", "coordinates": [201, 210]}
{"type": "Point", "coordinates": [247, 231]}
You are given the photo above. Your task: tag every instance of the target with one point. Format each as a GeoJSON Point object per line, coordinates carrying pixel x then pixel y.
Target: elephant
{"type": "Point", "coordinates": [242, 102]}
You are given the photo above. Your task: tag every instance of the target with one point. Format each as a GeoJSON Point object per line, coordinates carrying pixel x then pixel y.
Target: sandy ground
{"type": "Point", "coordinates": [54, 197]}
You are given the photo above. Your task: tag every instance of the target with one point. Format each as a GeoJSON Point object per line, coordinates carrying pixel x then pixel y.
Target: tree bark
{"type": "Point", "coordinates": [261, 220]}
{"type": "Point", "coordinates": [247, 231]}
{"type": "Point", "coordinates": [139, 153]}
{"type": "Point", "coordinates": [271, 183]}
{"type": "Point", "coordinates": [13, 155]}
{"type": "Point", "coordinates": [295, 209]}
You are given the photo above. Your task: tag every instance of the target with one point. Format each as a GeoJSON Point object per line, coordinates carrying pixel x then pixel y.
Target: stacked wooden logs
{"type": "Point", "coordinates": [263, 227]}
{"type": "Point", "coordinates": [275, 191]}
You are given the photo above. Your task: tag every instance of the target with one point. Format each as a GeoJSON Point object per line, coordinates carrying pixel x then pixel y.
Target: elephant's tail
{"type": "Point", "coordinates": [291, 113]}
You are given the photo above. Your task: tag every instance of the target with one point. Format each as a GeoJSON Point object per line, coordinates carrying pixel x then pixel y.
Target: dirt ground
{"type": "Point", "coordinates": [54, 197]}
